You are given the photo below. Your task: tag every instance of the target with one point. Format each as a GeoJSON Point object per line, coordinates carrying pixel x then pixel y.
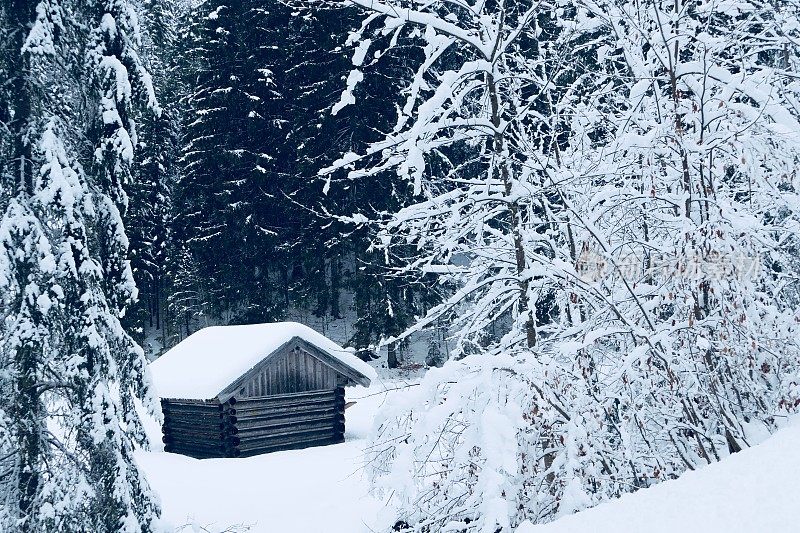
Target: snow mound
{"type": "Point", "coordinates": [209, 360]}
{"type": "Point", "coordinates": [756, 490]}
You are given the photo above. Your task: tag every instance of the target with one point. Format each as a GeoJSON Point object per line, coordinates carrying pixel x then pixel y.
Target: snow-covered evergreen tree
{"type": "Point", "coordinates": [250, 212]}
{"type": "Point", "coordinates": [156, 170]}
{"type": "Point", "coordinates": [227, 195]}
{"type": "Point", "coordinates": [70, 373]}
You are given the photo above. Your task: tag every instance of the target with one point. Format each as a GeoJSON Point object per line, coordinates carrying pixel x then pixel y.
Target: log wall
{"type": "Point", "coordinates": [246, 426]}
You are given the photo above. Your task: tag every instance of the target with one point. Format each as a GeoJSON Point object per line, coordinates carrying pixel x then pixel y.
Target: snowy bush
{"type": "Point", "coordinates": [489, 441]}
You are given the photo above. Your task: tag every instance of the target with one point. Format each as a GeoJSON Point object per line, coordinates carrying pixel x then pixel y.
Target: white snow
{"type": "Point", "coordinates": [756, 490]}
{"type": "Point", "coordinates": [354, 78]}
{"type": "Point", "coordinates": [323, 489]}
{"type": "Point", "coordinates": [314, 490]}
{"type": "Point", "coordinates": [209, 360]}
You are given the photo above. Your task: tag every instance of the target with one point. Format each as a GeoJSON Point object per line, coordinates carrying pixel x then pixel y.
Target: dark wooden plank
{"type": "Point", "coordinates": [288, 440]}
{"type": "Point", "coordinates": [288, 429]}
{"type": "Point", "coordinates": [194, 430]}
{"type": "Point", "coordinates": [245, 414]}
{"type": "Point", "coordinates": [278, 397]}
{"type": "Point", "coordinates": [288, 434]}
{"type": "Point", "coordinates": [267, 421]}
{"type": "Point", "coordinates": [298, 445]}
{"type": "Point", "coordinates": [194, 434]}
{"type": "Point", "coordinates": [192, 415]}
{"type": "Point", "coordinates": [190, 403]}
{"type": "Point", "coordinates": [240, 409]}
{"type": "Point", "coordinates": [194, 422]}
{"type": "Point", "coordinates": [194, 444]}
{"type": "Point", "coordinates": [177, 409]}
{"type": "Point", "coordinates": [285, 404]}
{"type": "Point", "coordinates": [200, 454]}
{"type": "Point", "coordinates": [195, 437]}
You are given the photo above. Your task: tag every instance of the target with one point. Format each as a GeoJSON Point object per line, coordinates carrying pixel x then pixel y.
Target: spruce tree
{"type": "Point", "coordinates": [228, 159]}
{"type": "Point", "coordinates": [155, 171]}
{"type": "Point", "coordinates": [70, 373]}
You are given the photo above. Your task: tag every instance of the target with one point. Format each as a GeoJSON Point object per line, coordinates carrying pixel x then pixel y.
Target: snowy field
{"type": "Point", "coordinates": [322, 490]}
{"type": "Point", "coordinates": [314, 490]}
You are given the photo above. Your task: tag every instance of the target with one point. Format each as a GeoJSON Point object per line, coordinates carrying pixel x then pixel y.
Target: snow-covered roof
{"type": "Point", "coordinates": [206, 362]}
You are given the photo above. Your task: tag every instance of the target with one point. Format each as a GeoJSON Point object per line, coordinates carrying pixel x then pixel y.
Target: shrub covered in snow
{"type": "Point", "coordinates": [488, 442]}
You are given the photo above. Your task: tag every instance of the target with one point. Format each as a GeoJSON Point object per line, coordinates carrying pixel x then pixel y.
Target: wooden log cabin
{"type": "Point", "coordinates": [238, 391]}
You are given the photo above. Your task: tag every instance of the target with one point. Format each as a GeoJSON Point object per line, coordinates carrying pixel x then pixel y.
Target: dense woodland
{"type": "Point", "coordinates": [597, 202]}
{"type": "Point", "coordinates": [229, 222]}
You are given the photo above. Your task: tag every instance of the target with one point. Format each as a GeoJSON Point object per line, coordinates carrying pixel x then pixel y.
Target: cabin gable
{"type": "Point", "coordinates": [297, 366]}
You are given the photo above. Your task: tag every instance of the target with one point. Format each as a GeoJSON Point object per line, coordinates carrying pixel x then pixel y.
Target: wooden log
{"type": "Point", "coordinates": [269, 448]}
{"type": "Point", "coordinates": [193, 415]}
{"type": "Point", "coordinates": [286, 409]}
{"type": "Point", "coordinates": [206, 433]}
{"type": "Point", "coordinates": [253, 423]}
{"type": "Point", "coordinates": [283, 399]}
{"type": "Point", "coordinates": [191, 405]}
{"type": "Point", "coordinates": [170, 425]}
{"type": "Point", "coordinates": [327, 418]}
{"type": "Point", "coordinates": [239, 408]}
{"type": "Point", "coordinates": [177, 441]}
{"type": "Point", "coordinates": [199, 454]}
{"type": "Point", "coordinates": [191, 423]}
{"type": "Point", "coordinates": [293, 434]}
{"type": "Point", "coordinates": [194, 451]}
{"type": "Point", "coordinates": [201, 442]}
{"type": "Point", "coordinates": [285, 437]}
{"type": "Point", "coordinates": [185, 410]}
{"type": "Point", "coordinates": [194, 436]}
{"type": "Point", "coordinates": [198, 418]}
{"type": "Point", "coordinates": [276, 432]}
{"type": "Point", "coordinates": [211, 446]}
{"type": "Point", "coordinates": [297, 444]}
{"type": "Point", "coordinates": [189, 434]}
{"type": "Point", "coordinates": [252, 408]}
{"type": "Point", "coordinates": [280, 397]}
{"type": "Point", "coordinates": [180, 447]}
{"type": "Point", "coordinates": [184, 401]}
{"type": "Point", "coordinates": [194, 418]}
{"type": "Point", "coordinates": [254, 420]}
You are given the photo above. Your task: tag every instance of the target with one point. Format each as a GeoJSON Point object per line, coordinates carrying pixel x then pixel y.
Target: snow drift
{"type": "Point", "coordinates": [755, 490]}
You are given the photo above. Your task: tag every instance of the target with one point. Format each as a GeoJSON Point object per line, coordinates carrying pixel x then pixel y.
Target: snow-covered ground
{"type": "Point", "coordinates": [322, 490]}
{"type": "Point", "coordinates": [754, 491]}
{"type": "Point", "coordinates": [315, 490]}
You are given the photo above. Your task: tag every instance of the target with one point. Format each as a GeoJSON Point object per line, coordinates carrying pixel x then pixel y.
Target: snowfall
{"type": "Point", "coordinates": [323, 489]}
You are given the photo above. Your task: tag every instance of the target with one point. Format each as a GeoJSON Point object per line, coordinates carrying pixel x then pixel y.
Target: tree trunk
{"type": "Point", "coordinates": [28, 412]}
{"type": "Point", "coordinates": [23, 13]}
{"type": "Point", "coordinates": [525, 309]}
{"type": "Point", "coordinates": [391, 355]}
